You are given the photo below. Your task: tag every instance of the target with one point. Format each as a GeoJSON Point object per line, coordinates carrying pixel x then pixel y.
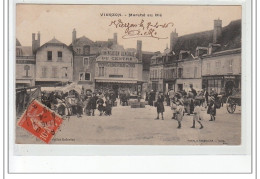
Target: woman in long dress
{"type": "Point", "coordinates": [160, 106]}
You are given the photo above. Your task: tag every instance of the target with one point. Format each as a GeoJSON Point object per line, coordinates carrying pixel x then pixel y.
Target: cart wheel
{"type": "Point", "coordinates": [231, 105]}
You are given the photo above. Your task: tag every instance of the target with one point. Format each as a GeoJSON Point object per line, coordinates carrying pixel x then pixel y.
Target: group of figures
{"type": "Point", "coordinates": [73, 103]}
{"type": "Point", "coordinates": [186, 102]}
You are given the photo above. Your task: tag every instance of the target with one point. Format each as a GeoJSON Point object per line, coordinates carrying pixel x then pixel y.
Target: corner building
{"type": "Point", "coordinates": [119, 69]}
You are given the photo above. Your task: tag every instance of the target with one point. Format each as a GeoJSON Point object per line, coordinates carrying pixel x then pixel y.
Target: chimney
{"type": "Point", "coordinates": [173, 39]}
{"type": "Point", "coordinates": [115, 38]}
{"type": "Point", "coordinates": [38, 40]}
{"type": "Point", "coordinates": [33, 43]}
{"type": "Point", "coordinates": [74, 36]}
{"type": "Point", "coordinates": [217, 30]}
{"type": "Point", "coordinates": [139, 50]}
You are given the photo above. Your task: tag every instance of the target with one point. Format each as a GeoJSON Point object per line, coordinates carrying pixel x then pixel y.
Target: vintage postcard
{"type": "Point", "coordinates": [128, 74]}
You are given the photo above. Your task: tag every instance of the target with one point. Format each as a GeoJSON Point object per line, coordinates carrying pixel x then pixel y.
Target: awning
{"type": "Point", "coordinates": [115, 81]}
{"type": "Point", "coordinates": [170, 80]}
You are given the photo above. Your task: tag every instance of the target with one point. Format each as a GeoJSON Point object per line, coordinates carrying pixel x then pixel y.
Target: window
{"type": "Point", "coordinates": [59, 56]}
{"type": "Point", "coordinates": [180, 72]}
{"type": "Point", "coordinates": [49, 54]}
{"type": "Point", "coordinates": [155, 74]}
{"type": "Point", "coordinates": [230, 66]}
{"type": "Point", "coordinates": [101, 71]}
{"type": "Point", "coordinates": [86, 61]}
{"type": "Point", "coordinates": [84, 76]}
{"type": "Point", "coordinates": [44, 72]}
{"type": "Point", "coordinates": [208, 68]}
{"type": "Point", "coordinates": [188, 71]}
{"type": "Point", "coordinates": [173, 73]}
{"type": "Point", "coordinates": [161, 73]}
{"type": "Point", "coordinates": [54, 72]}
{"type": "Point", "coordinates": [27, 69]}
{"type": "Point", "coordinates": [65, 72]}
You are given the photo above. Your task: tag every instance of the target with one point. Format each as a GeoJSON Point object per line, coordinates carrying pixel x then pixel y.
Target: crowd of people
{"type": "Point", "coordinates": [182, 102]}
{"type": "Point", "coordinates": [73, 103]}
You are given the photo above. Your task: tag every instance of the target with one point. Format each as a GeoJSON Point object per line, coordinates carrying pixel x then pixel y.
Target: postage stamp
{"type": "Point", "coordinates": [40, 121]}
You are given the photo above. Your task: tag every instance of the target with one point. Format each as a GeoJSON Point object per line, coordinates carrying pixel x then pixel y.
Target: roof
{"type": "Point", "coordinates": [82, 41]}
{"type": "Point", "coordinates": [55, 42]}
{"type": "Point", "coordinates": [18, 43]}
{"type": "Point", "coordinates": [26, 50]}
{"type": "Point", "coordinates": [230, 39]}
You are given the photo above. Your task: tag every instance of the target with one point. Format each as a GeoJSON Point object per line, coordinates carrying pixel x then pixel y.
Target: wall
{"type": "Point", "coordinates": [20, 71]}
{"type": "Point", "coordinates": [79, 66]}
{"type": "Point", "coordinates": [42, 61]}
{"type": "Point", "coordinates": [220, 65]}
{"type": "Point", "coordinates": [191, 69]}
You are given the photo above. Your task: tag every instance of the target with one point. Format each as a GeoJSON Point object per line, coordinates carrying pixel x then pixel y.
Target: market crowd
{"type": "Point", "coordinates": [181, 102]}
{"type": "Point", "coordinates": [73, 103]}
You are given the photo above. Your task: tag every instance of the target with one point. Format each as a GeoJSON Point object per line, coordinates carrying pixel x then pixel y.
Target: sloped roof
{"type": "Point", "coordinates": [54, 41]}
{"type": "Point", "coordinates": [18, 43]}
{"type": "Point", "coordinates": [230, 38]}
{"type": "Point", "coordinates": [82, 41]}
{"type": "Point", "coordinates": [26, 50]}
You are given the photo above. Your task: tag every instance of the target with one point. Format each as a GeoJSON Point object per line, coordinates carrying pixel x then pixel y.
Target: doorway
{"type": "Point", "coordinates": [229, 87]}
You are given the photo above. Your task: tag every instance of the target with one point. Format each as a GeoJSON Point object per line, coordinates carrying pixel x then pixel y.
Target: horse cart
{"type": "Point", "coordinates": [233, 101]}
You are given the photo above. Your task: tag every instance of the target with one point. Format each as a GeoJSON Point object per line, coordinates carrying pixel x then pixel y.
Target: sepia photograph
{"type": "Point", "coordinates": [128, 74]}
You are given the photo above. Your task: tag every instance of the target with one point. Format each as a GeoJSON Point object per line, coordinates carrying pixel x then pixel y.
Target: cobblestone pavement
{"type": "Point", "coordinates": [137, 126]}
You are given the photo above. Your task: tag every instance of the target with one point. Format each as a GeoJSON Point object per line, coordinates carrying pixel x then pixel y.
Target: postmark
{"type": "Point", "coordinates": [40, 121]}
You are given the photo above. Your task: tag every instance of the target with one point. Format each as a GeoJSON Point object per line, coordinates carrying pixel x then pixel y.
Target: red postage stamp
{"type": "Point", "coordinates": [40, 121]}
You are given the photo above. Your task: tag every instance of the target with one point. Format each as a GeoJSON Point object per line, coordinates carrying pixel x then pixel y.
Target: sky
{"type": "Point", "coordinates": [59, 21]}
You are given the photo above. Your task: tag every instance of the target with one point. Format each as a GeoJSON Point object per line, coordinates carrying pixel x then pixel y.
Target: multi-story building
{"type": "Point", "coordinates": [84, 62]}
{"type": "Point", "coordinates": [25, 66]}
{"type": "Point", "coordinates": [163, 71]}
{"type": "Point", "coordinates": [118, 69]}
{"type": "Point", "coordinates": [221, 71]}
{"type": "Point", "coordinates": [54, 63]}
{"type": "Point", "coordinates": [189, 72]}
{"type": "Point", "coordinates": [196, 51]}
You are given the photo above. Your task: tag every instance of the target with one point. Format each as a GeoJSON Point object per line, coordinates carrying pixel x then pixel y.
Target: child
{"type": "Point", "coordinates": [108, 106]}
{"type": "Point", "coordinates": [179, 112]}
{"type": "Point", "coordinates": [100, 103]}
{"type": "Point", "coordinates": [212, 109]}
{"type": "Point", "coordinates": [173, 107]}
{"type": "Point", "coordinates": [160, 106]}
{"type": "Point", "coordinates": [196, 116]}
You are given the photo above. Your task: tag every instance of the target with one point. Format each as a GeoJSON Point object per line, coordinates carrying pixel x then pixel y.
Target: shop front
{"type": "Point", "coordinates": [132, 86]}
{"type": "Point", "coordinates": [221, 83]}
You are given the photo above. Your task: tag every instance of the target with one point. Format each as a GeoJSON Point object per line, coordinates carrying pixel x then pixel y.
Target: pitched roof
{"type": "Point", "coordinates": [82, 41]}
{"type": "Point", "coordinates": [54, 41]}
{"type": "Point", "coordinates": [26, 50]}
{"type": "Point", "coordinates": [230, 38]}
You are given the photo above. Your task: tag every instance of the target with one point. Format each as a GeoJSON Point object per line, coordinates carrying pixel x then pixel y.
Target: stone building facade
{"type": "Point", "coordinates": [119, 69]}
{"type": "Point", "coordinates": [221, 71]}
{"type": "Point", "coordinates": [54, 63]}
{"type": "Point", "coordinates": [25, 66]}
